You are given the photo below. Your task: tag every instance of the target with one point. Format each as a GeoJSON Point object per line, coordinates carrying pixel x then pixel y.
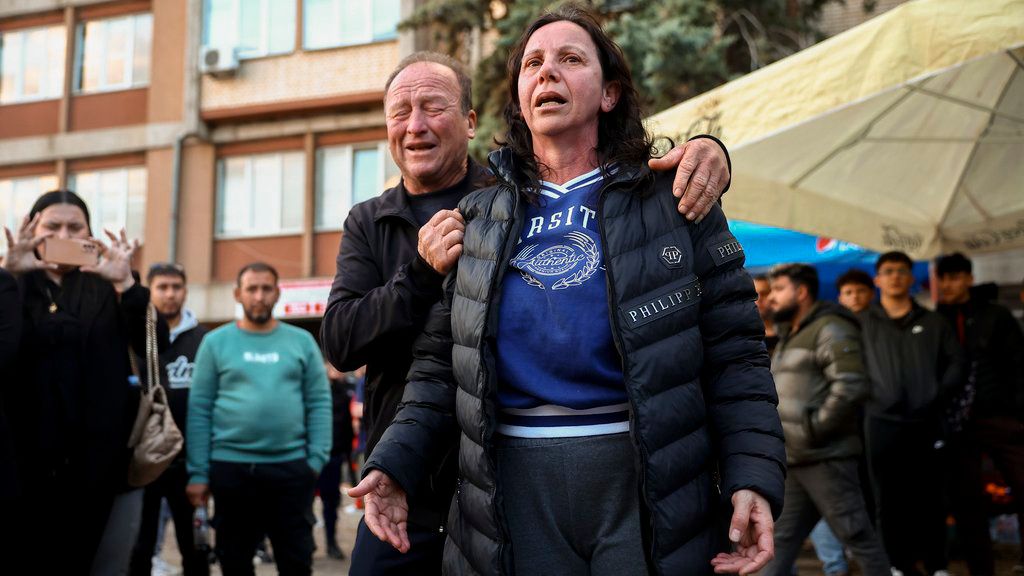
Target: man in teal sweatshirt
{"type": "Point", "coordinates": [259, 430]}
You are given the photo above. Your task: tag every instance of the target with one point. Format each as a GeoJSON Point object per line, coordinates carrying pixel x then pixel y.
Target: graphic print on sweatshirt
{"type": "Point", "coordinates": [559, 372]}
{"type": "Point", "coordinates": [179, 372]}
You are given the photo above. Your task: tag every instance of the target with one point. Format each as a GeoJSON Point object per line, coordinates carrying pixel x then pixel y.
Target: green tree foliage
{"type": "Point", "coordinates": [677, 48]}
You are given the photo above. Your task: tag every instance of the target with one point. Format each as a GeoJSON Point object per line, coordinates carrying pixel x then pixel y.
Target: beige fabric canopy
{"type": "Point", "coordinates": [906, 132]}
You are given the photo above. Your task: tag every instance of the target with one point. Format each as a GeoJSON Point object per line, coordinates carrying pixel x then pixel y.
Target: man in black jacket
{"type": "Point", "coordinates": [168, 290]}
{"type": "Point", "coordinates": [916, 367]}
{"type": "Point", "coordinates": [993, 426]}
{"type": "Point", "coordinates": [395, 252]}
{"type": "Point", "coordinates": [822, 383]}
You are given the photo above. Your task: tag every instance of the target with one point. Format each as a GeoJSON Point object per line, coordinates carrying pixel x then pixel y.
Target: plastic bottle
{"type": "Point", "coordinates": [201, 529]}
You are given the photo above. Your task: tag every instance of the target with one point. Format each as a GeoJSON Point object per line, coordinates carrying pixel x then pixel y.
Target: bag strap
{"type": "Point", "coordinates": [152, 354]}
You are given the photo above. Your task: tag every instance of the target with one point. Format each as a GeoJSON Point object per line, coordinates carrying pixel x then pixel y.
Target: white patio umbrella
{"type": "Point", "coordinates": [904, 133]}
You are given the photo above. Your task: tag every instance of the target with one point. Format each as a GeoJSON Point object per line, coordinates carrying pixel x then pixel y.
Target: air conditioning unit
{"type": "Point", "coordinates": [218, 61]}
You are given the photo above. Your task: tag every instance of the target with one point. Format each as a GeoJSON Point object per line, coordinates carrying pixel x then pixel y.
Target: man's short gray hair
{"type": "Point", "coordinates": [465, 84]}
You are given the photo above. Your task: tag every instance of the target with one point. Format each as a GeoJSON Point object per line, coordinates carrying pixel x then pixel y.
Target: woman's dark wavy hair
{"type": "Point", "coordinates": [621, 137]}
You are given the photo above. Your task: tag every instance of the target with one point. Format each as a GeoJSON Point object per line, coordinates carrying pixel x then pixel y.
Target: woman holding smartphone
{"type": "Point", "coordinates": [68, 393]}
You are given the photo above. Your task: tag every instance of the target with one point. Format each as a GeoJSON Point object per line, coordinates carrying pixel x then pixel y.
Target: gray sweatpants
{"type": "Point", "coordinates": [572, 505]}
{"type": "Point", "coordinates": [115, 552]}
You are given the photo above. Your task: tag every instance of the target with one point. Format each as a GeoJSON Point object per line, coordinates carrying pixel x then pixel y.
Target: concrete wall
{"type": "Point", "coordinates": [167, 76]}
{"type": "Point", "coordinates": [196, 209]}
{"type": "Point", "coordinates": [303, 76]}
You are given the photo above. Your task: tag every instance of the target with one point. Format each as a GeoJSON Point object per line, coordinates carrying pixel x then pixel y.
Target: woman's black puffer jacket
{"type": "Point", "coordinates": [703, 412]}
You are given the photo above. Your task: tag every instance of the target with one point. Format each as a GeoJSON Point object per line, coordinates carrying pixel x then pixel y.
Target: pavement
{"type": "Point", "coordinates": [348, 520]}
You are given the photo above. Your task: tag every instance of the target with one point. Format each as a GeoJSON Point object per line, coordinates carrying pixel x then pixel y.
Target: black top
{"type": "Point", "coordinates": [379, 302]}
{"type": "Point", "coordinates": [995, 348]}
{"type": "Point", "coordinates": [69, 399]}
{"type": "Point", "coordinates": [915, 363]}
{"type": "Point", "coordinates": [176, 363]}
{"type": "Point", "coordinates": [424, 206]}
{"type": "Point", "coordinates": [10, 335]}
{"type": "Point", "coordinates": [341, 418]}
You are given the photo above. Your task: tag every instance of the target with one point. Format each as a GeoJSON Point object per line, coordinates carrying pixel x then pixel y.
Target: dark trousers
{"type": "Point", "coordinates": [330, 495]}
{"type": "Point", "coordinates": [829, 489]}
{"type": "Point", "coordinates": [1003, 440]}
{"type": "Point", "coordinates": [908, 482]}
{"type": "Point", "coordinates": [251, 500]}
{"type": "Point", "coordinates": [170, 485]}
{"type": "Point", "coordinates": [371, 557]}
{"type": "Point", "coordinates": [572, 505]}
{"type": "Point", "coordinates": [57, 521]}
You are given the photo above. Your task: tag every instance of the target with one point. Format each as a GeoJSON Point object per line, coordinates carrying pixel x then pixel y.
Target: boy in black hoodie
{"type": "Point", "coordinates": [167, 284]}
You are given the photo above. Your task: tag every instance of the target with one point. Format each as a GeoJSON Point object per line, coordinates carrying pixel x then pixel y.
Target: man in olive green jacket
{"type": "Point", "coordinates": [822, 383]}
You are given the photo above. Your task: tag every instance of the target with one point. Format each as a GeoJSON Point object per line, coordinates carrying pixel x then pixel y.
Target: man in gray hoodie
{"type": "Point", "coordinates": [168, 291]}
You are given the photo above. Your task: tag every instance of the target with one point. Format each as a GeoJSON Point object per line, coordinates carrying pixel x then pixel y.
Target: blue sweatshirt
{"type": "Point", "coordinates": [559, 372]}
{"type": "Point", "coordinates": [258, 397]}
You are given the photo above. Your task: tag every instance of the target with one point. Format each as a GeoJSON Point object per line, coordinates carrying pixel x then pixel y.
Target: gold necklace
{"type": "Point", "coordinates": [53, 303]}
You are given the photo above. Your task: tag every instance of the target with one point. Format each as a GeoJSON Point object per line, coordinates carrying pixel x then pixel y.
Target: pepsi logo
{"type": "Point", "coordinates": [823, 244]}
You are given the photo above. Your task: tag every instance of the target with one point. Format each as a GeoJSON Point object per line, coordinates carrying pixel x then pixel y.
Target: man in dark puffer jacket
{"type": "Point", "coordinates": [822, 384]}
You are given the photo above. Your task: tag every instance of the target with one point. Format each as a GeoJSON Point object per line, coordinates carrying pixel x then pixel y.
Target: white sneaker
{"type": "Point", "coordinates": [896, 572]}
{"type": "Point", "coordinates": [162, 567]}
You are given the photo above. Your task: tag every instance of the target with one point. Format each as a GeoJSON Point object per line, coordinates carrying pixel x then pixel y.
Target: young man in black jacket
{"type": "Point", "coordinates": [396, 250]}
{"type": "Point", "coordinates": [993, 424]}
{"type": "Point", "coordinates": [168, 291]}
{"type": "Point", "coordinates": [916, 367]}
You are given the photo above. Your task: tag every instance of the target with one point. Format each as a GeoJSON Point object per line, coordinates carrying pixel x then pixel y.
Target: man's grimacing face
{"type": "Point", "coordinates": [428, 133]}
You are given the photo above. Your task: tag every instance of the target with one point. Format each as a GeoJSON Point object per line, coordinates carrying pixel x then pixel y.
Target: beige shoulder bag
{"type": "Point", "coordinates": [155, 439]}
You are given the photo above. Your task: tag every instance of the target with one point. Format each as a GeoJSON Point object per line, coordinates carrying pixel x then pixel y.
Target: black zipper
{"type": "Point", "coordinates": [493, 310]}
{"type": "Point", "coordinates": [616, 338]}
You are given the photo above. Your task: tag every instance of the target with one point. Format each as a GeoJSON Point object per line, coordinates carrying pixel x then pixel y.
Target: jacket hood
{"type": "Point", "coordinates": [820, 308]}
{"type": "Point", "coordinates": [827, 307]}
{"type": "Point", "coordinates": [188, 322]}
